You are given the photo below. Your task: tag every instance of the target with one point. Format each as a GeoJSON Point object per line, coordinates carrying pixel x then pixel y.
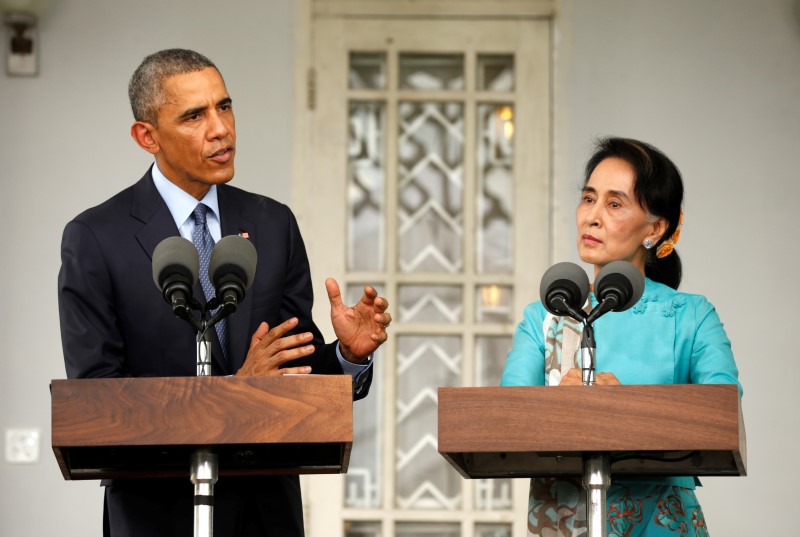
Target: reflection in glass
{"type": "Point", "coordinates": [495, 189]}
{"type": "Point", "coordinates": [492, 530]}
{"type": "Point", "coordinates": [429, 303]}
{"type": "Point", "coordinates": [432, 71]}
{"type": "Point", "coordinates": [366, 178]}
{"type": "Point", "coordinates": [362, 485]}
{"type": "Point", "coordinates": [490, 358]}
{"type": "Point", "coordinates": [495, 72]}
{"type": "Point", "coordinates": [493, 494]}
{"type": "Point", "coordinates": [493, 304]}
{"type": "Point", "coordinates": [367, 70]}
{"type": "Point", "coordinates": [431, 187]}
{"type": "Point", "coordinates": [358, 528]}
{"type": "Point", "coordinates": [427, 529]}
{"type": "Point", "coordinates": [424, 479]}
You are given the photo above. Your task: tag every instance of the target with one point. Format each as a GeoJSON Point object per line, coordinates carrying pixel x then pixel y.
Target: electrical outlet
{"type": "Point", "coordinates": [22, 446]}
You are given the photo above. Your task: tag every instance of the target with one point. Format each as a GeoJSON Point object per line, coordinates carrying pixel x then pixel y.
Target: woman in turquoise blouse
{"type": "Point", "coordinates": [630, 210]}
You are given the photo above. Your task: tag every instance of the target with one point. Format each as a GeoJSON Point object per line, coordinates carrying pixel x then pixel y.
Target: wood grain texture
{"type": "Point", "coordinates": [258, 424]}
{"type": "Point", "coordinates": [497, 429]}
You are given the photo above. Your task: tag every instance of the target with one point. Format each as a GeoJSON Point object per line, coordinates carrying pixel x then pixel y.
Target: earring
{"type": "Point", "coordinates": [648, 244]}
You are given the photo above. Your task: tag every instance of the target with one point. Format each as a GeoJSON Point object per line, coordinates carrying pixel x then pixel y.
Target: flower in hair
{"type": "Point", "coordinates": [666, 247]}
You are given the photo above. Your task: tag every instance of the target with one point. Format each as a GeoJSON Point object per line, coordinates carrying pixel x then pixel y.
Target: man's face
{"type": "Point", "coordinates": [195, 139]}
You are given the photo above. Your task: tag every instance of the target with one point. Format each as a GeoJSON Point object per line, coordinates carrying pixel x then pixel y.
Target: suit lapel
{"type": "Point", "coordinates": [158, 224]}
{"type": "Point", "coordinates": [149, 208]}
{"type": "Point", "coordinates": [234, 222]}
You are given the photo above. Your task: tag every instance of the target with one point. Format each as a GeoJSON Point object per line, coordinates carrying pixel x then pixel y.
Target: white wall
{"type": "Point", "coordinates": [714, 83]}
{"type": "Point", "coordinates": [65, 146]}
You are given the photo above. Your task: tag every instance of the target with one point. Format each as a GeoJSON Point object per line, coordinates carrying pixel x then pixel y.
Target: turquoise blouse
{"type": "Point", "coordinates": [666, 338]}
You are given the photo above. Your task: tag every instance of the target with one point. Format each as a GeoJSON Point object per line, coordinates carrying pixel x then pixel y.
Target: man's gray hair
{"type": "Point", "coordinates": [146, 88]}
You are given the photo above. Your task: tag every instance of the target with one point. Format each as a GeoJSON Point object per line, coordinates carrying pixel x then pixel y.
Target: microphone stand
{"type": "Point", "coordinates": [204, 462]}
{"type": "Point", "coordinates": [596, 465]}
{"type": "Point", "coordinates": [205, 465]}
{"type": "Point", "coordinates": [588, 348]}
{"type": "Point", "coordinates": [203, 350]}
{"type": "Point", "coordinates": [175, 271]}
{"type": "Point", "coordinates": [617, 283]}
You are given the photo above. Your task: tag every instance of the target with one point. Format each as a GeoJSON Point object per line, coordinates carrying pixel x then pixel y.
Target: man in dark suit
{"type": "Point", "coordinates": [114, 321]}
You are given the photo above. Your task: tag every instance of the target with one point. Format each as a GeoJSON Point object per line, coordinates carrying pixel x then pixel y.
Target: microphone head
{"type": "Point", "coordinates": [565, 281]}
{"type": "Point", "coordinates": [233, 257]}
{"type": "Point", "coordinates": [622, 280]}
{"type": "Point", "coordinates": [175, 257]}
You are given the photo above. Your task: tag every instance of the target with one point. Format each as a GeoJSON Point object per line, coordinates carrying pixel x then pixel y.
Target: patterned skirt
{"type": "Point", "coordinates": [557, 508]}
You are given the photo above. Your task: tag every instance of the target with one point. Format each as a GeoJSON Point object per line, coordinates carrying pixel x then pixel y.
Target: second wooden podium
{"type": "Point", "coordinates": [688, 429]}
{"type": "Point", "coordinates": [593, 433]}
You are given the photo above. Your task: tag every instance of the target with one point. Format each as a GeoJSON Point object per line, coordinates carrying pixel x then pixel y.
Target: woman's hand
{"type": "Point", "coordinates": [574, 377]}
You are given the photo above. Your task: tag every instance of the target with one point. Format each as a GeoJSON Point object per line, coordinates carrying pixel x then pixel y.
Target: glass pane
{"type": "Point", "coordinates": [354, 528]}
{"type": "Point", "coordinates": [366, 177]}
{"type": "Point", "coordinates": [493, 304]}
{"type": "Point", "coordinates": [427, 529]}
{"type": "Point", "coordinates": [492, 494]}
{"type": "Point", "coordinates": [362, 484]}
{"type": "Point", "coordinates": [495, 189]}
{"type": "Point", "coordinates": [492, 530]}
{"type": "Point", "coordinates": [490, 358]}
{"type": "Point", "coordinates": [432, 71]}
{"type": "Point", "coordinates": [430, 303]}
{"type": "Point", "coordinates": [431, 185]}
{"type": "Point", "coordinates": [495, 72]}
{"type": "Point", "coordinates": [367, 70]}
{"type": "Point", "coordinates": [424, 479]}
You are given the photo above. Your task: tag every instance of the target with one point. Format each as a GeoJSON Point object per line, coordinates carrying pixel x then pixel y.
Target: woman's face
{"type": "Point", "coordinates": [612, 226]}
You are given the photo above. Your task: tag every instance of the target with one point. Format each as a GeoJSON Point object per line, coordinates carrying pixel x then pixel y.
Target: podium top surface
{"type": "Point", "coordinates": [543, 431]}
{"type": "Point", "coordinates": [130, 427]}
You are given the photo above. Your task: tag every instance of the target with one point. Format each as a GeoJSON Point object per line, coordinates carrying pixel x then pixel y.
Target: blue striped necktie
{"type": "Point", "coordinates": [204, 243]}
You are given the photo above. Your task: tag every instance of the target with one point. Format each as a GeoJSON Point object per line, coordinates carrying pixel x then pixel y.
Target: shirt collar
{"type": "Point", "coordinates": [180, 203]}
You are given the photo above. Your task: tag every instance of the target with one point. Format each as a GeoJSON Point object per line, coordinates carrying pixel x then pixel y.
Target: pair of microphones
{"type": "Point", "coordinates": [231, 269]}
{"type": "Point", "coordinates": [565, 287]}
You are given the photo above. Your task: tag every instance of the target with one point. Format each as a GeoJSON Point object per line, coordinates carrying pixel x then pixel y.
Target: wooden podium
{"type": "Point", "coordinates": [150, 427]}
{"type": "Point", "coordinates": [658, 430]}
{"type": "Point", "coordinates": [594, 433]}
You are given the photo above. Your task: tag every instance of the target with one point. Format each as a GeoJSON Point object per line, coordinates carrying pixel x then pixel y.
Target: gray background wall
{"type": "Point", "coordinates": [714, 83]}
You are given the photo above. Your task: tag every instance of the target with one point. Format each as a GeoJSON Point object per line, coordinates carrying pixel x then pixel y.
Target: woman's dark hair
{"type": "Point", "coordinates": [658, 188]}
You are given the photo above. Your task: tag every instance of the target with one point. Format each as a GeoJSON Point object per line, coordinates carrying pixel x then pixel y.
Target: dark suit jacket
{"type": "Point", "coordinates": [115, 322]}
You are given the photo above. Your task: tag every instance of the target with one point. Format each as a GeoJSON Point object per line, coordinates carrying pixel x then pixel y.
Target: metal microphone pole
{"type": "Point", "coordinates": [205, 466]}
{"type": "Point", "coordinates": [588, 349]}
{"type": "Point", "coordinates": [596, 480]}
{"type": "Point", "coordinates": [204, 475]}
{"type": "Point", "coordinates": [204, 349]}
{"type": "Point", "coordinates": [596, 466]}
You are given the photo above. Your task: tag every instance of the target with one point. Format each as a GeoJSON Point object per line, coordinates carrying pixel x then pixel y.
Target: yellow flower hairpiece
{"type": "Point", "coordinates": [666, 247]}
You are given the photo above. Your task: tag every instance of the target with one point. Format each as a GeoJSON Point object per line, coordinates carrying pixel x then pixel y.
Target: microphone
{"type": "Point", "coordinates": [618, 286]}
{"type": "Point", "coordinates": [564, 289]}
{"type": "Point", "coordinates": [231, 269]}
{"type": "Point", "coordinates": [176, 265]}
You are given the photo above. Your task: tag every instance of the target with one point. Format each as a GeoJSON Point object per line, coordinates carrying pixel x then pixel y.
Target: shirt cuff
{"type": "Point", "coordinates": [349, 368]}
